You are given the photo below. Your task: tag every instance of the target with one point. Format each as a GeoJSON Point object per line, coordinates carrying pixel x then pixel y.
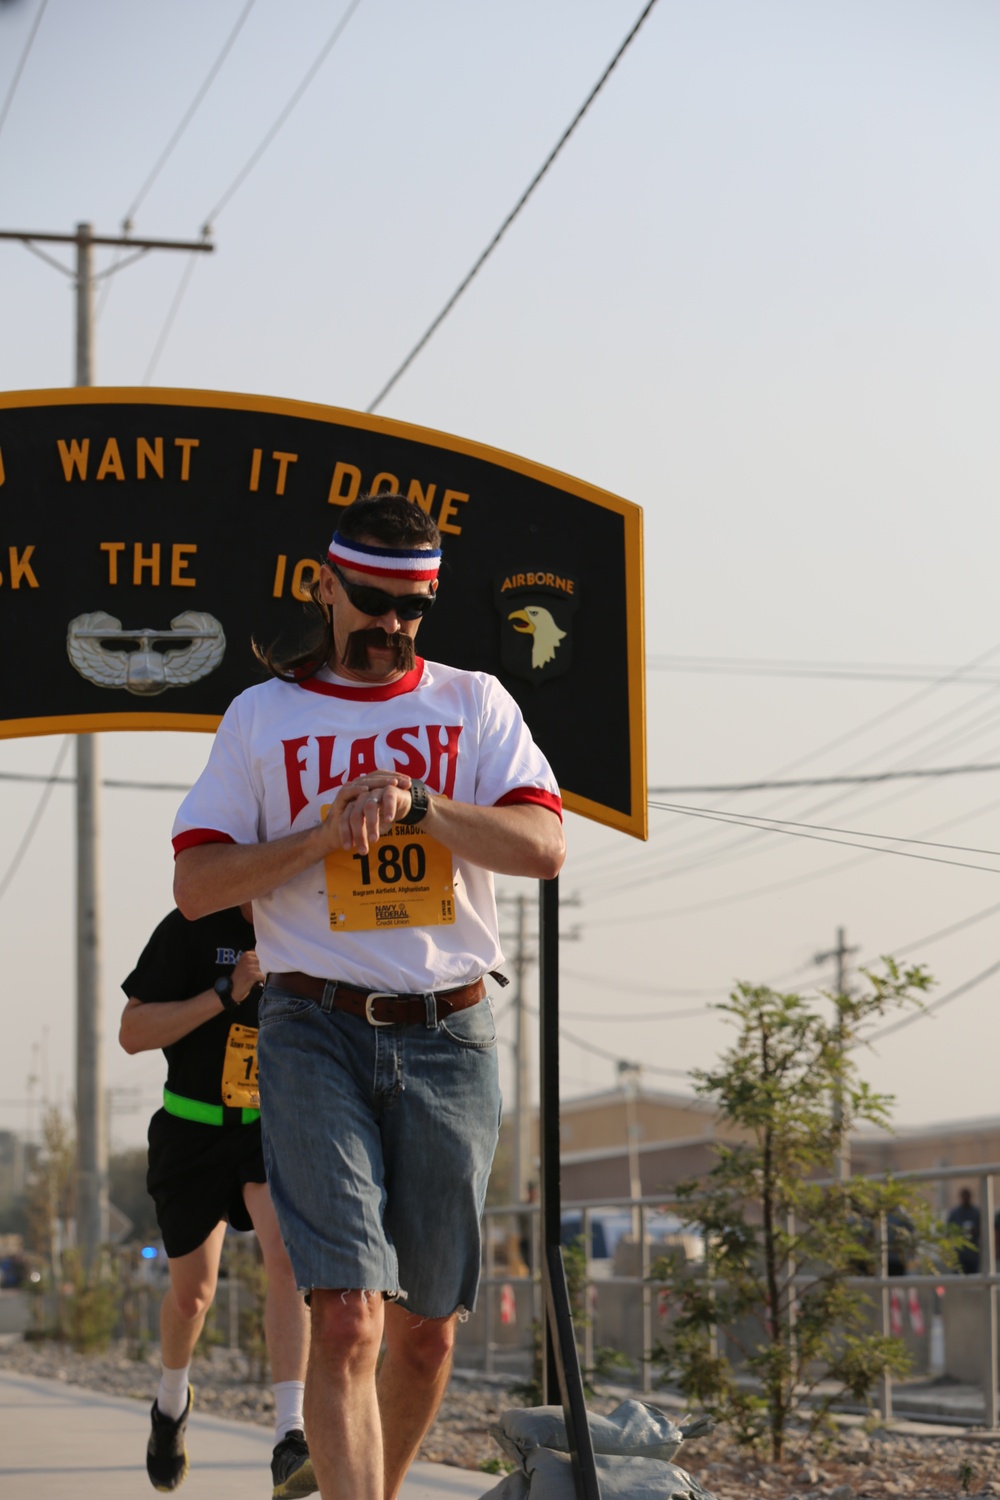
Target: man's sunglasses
{"type": "Point", "coordinates": [375, 602]}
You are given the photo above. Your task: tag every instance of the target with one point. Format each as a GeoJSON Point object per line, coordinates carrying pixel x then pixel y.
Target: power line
{"type": "Point", "coordinates": [508, 221]}
{"type": "Point", "coordinates": [645, 989]}
{"type": "Point", "coordinates": [35, 819]}
{"type": "Point", "coordinates": [172, 311]}
{"type": "Point", "coordinates": [926, 1010]}
{"type": "Point", "coordinates": [189, 114]}
{"type": "Point", "coordinates": [865, 780]}
{"type": "Point", "coordinates": [284, 114]}
{"type": "Point", "coordinates": [864, 727]}
{"type": "Point", "coordinates": [740, 666]}
{"type": "Point", "coordinates": [12, 90]}
{"type": "Point", "coordinates": [797, 831]}
{"type": "Point", "coordinates": [245, 171]}
{"type": "Point", "coordinates": [779, 825]}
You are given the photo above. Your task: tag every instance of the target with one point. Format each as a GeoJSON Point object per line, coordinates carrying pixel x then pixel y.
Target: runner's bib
{"type": "Point", "coordinates": [405, 880]}
{"type": "Point", "coordinates": [239, 1070]}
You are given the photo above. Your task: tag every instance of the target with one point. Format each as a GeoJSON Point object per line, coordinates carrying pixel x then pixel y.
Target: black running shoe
{"type": "Point", "coordinates": [291, 1468]}
{"type": "Point", "coordinates": [166, 1455]}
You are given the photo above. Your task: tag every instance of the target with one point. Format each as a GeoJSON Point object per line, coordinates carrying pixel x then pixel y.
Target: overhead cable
{"type": "Point", "coordinates": [798, 831]}
{"type": "Point", "coordinates": [284, 113]}
{"type": "Point", "coordinates": [12, 90]}
{"type": "Point", "coordinates": [864, 727]}
{"type": "Point", "coordinates": [188, 115]}
{"type": "Point", "coordinates": [864, 780]}
{"type": "Point", "coordinates": [248, 167]}
{"type": "Point", "coordinates": [927, 1010]}
{"type": "Point", "coordinates": [36, 818]}
{"type": "Point", "coordinates": [749, 666]}
{"type": "Point", "coordinates": [508, 221]}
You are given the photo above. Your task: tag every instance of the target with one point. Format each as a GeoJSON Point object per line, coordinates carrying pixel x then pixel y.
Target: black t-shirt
{"type": "Point", "coordinates": [181, 960]}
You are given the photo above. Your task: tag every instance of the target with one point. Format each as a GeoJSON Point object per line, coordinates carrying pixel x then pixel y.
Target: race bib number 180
{"type": "Point", "coordinates": [405, 880]}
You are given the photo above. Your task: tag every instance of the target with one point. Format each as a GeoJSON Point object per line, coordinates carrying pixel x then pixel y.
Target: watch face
{"type": "Point", "coordinates": [224, 986]}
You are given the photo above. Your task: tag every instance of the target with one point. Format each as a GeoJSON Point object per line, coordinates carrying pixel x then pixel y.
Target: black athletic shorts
{"type": "Point", "coordinates": [196, 1176]}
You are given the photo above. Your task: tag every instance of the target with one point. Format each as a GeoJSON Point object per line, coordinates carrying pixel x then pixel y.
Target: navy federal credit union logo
{"type": "Point", "coordinates": [536, 622]}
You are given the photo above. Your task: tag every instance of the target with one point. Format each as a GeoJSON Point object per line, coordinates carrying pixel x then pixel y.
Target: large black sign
{"type": "Point", "coordinates": [147, 535]}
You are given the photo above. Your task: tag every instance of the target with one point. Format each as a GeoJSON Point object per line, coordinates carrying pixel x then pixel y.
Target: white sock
{"type": "Point", "coordinates": [172, 1396]}
{"type": "Point", "coordinates": [288, 1396]}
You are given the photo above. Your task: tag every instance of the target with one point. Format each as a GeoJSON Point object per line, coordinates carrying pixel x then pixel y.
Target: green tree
{"type": "Point", "coordinates": [780, 1242]}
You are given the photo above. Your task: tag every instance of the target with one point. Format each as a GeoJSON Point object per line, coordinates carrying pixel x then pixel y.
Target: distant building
{"type": "Point", "coordinates": [675, 1133]}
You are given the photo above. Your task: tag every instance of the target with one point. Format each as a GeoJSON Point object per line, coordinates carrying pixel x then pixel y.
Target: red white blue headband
{"type": "Point", "coordinates": [415, 564]}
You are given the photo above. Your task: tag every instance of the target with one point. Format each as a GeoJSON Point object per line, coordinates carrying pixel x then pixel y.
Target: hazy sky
{"type": "Point", "coordinates": [758, 294]}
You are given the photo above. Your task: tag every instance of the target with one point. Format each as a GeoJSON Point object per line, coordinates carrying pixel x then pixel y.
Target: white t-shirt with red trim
{"type": "Point", "coordinates": [281, 753]}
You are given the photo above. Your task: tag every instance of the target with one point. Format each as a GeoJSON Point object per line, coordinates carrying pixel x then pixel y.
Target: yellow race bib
{"type": "Point", "coordinates": [239, 1071]}
{"type": "Point", "coordinates": [405, 880]}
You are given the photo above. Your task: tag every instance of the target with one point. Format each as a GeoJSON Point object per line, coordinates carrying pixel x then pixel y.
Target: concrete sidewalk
{"type": "Point", "coordinates": [60, 1442]}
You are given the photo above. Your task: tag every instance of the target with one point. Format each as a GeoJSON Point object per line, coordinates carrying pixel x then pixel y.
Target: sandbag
{"type": "Point", "coordinates": [632, 1430]}
{"type": "Point", "coordinates": [633, 1447]}
{"type": "Point", "coordinates": [549, 1476]}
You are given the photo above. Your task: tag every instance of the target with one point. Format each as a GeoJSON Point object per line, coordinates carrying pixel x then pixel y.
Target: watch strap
{"type": "Point", "coordinates": [419, 802]}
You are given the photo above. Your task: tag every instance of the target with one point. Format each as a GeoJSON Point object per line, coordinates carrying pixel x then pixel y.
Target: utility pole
{"type": "Point", "coordinates": [841, 954]}
{"type": "Point", "coordinates": [92, 1159]}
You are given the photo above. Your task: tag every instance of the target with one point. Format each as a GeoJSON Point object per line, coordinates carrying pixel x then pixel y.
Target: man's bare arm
{"type": "Point", "coordinates": [519, 839]}
{"type": "Point", "coordinates": [146, 1027]}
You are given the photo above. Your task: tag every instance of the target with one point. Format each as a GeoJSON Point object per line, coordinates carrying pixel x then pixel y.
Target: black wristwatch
{"type": "Point", "coordinates": [224, 989]}
{"type": "Point", "coordinates": [419, 802]}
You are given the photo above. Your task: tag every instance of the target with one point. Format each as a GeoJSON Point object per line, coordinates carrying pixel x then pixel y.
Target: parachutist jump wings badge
{"type": "Point", "coordinates": [110, 657]}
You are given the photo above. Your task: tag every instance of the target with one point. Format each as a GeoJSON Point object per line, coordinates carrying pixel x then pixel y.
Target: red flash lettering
{"type": "Point", "coordinates": [327, 780]}
{"type": "Point", "coordinates": [294, 770]}
{"type": "Point", "coordinates": [412, 762]}
{"type": "Point", "coordinates": [445, 749]}
{"type": "Point", "coordinates": [362, 759]}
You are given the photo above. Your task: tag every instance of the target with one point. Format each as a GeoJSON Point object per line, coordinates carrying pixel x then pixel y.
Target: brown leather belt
{"type": "Point", "coordinates": [379, 1007]}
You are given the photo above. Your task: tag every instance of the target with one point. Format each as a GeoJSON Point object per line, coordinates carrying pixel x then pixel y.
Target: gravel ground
{"type": "Point", "coordinates": [872, 1463]}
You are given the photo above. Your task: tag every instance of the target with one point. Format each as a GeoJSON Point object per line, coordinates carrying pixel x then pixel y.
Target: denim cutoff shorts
{"type": "Point", "coordinates": [378, 1142]}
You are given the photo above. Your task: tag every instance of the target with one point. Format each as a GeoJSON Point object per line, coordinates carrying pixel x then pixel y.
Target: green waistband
{"type": "Point", "coordinates": [204, 1114]}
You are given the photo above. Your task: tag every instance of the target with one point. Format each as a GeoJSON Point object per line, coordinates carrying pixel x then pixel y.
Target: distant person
{"type": "Point", "coordinates": [194, 992]}
{"type": "Point", "coordinates": [965, 1215]}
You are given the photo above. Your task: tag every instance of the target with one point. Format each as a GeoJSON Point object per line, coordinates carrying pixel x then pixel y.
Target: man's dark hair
{"type": "Point", "coordinates": [390, 519]}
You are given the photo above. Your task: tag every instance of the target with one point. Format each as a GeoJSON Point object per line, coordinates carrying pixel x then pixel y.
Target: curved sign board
{"type": "Point", "coordinates": [147, 535]}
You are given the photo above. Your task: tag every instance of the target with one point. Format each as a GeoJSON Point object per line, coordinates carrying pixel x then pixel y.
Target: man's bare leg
{"type": "Point", "coordinates": [412, 1381]}
{"type": "Point", "coordinates": [341, 1408]}
{"type": "Point", "coordinates": [286, 1317]}
{"type": "Point", "coordinates": [193, 1280]}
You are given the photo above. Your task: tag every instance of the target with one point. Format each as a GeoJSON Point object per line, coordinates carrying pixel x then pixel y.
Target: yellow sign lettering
{"type": "Point", "coordinates": [421, 495]}
{"type": "Point", "coordinates": [152, 455]}
{"type": "Point", "coordinates": [337, 495]}
{"type": "Point", "coordinates": [279, 575]}
{"type": "Point", "coordinates": [451, 499]}
{"type": "Point", "coordinates": [1, 466]}
{"type": "Point", "coordinates": [300, 585]}
{"type": "Point", "coordinates": [283, 460]}
{"type": "Point", "coordinates": [179, 565]}
{"type": "Point", "coordinates": [74, 456]}
{"type": "Point", "coordinates": [20, 567]}
{"type": "Point", "coordinates": [390, 486]}
{"type": "Point", "coordinates": [185, 445]}
{"type": "Point", "coordinates": [140, 561]}
{"type": "Point", "coordinates": [258, 454]}
{"type": "Point", "coordinates": [111, 461]}
{"type": "Point", "coordinates": [112, 549]}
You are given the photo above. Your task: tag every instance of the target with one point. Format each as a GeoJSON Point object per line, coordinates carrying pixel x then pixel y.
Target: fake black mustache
{"type": "Point", "coordinates": [356, 653]}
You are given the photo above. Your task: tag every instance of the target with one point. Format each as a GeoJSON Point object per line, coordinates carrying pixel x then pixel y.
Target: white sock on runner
{"type": "Point", "coordinates": [172, 1396]}
{"type": "Point", "coordinates": [288, 1395]}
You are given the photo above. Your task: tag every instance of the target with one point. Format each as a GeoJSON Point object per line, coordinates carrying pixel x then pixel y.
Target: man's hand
{"type": "Point", "coordinates": [246, 974]}
{"type": "Point", "coordinates": [366, 809]}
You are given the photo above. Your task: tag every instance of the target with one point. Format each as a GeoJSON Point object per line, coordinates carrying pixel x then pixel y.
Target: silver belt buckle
{"type": "Point", "coordinates": [377, 995]}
